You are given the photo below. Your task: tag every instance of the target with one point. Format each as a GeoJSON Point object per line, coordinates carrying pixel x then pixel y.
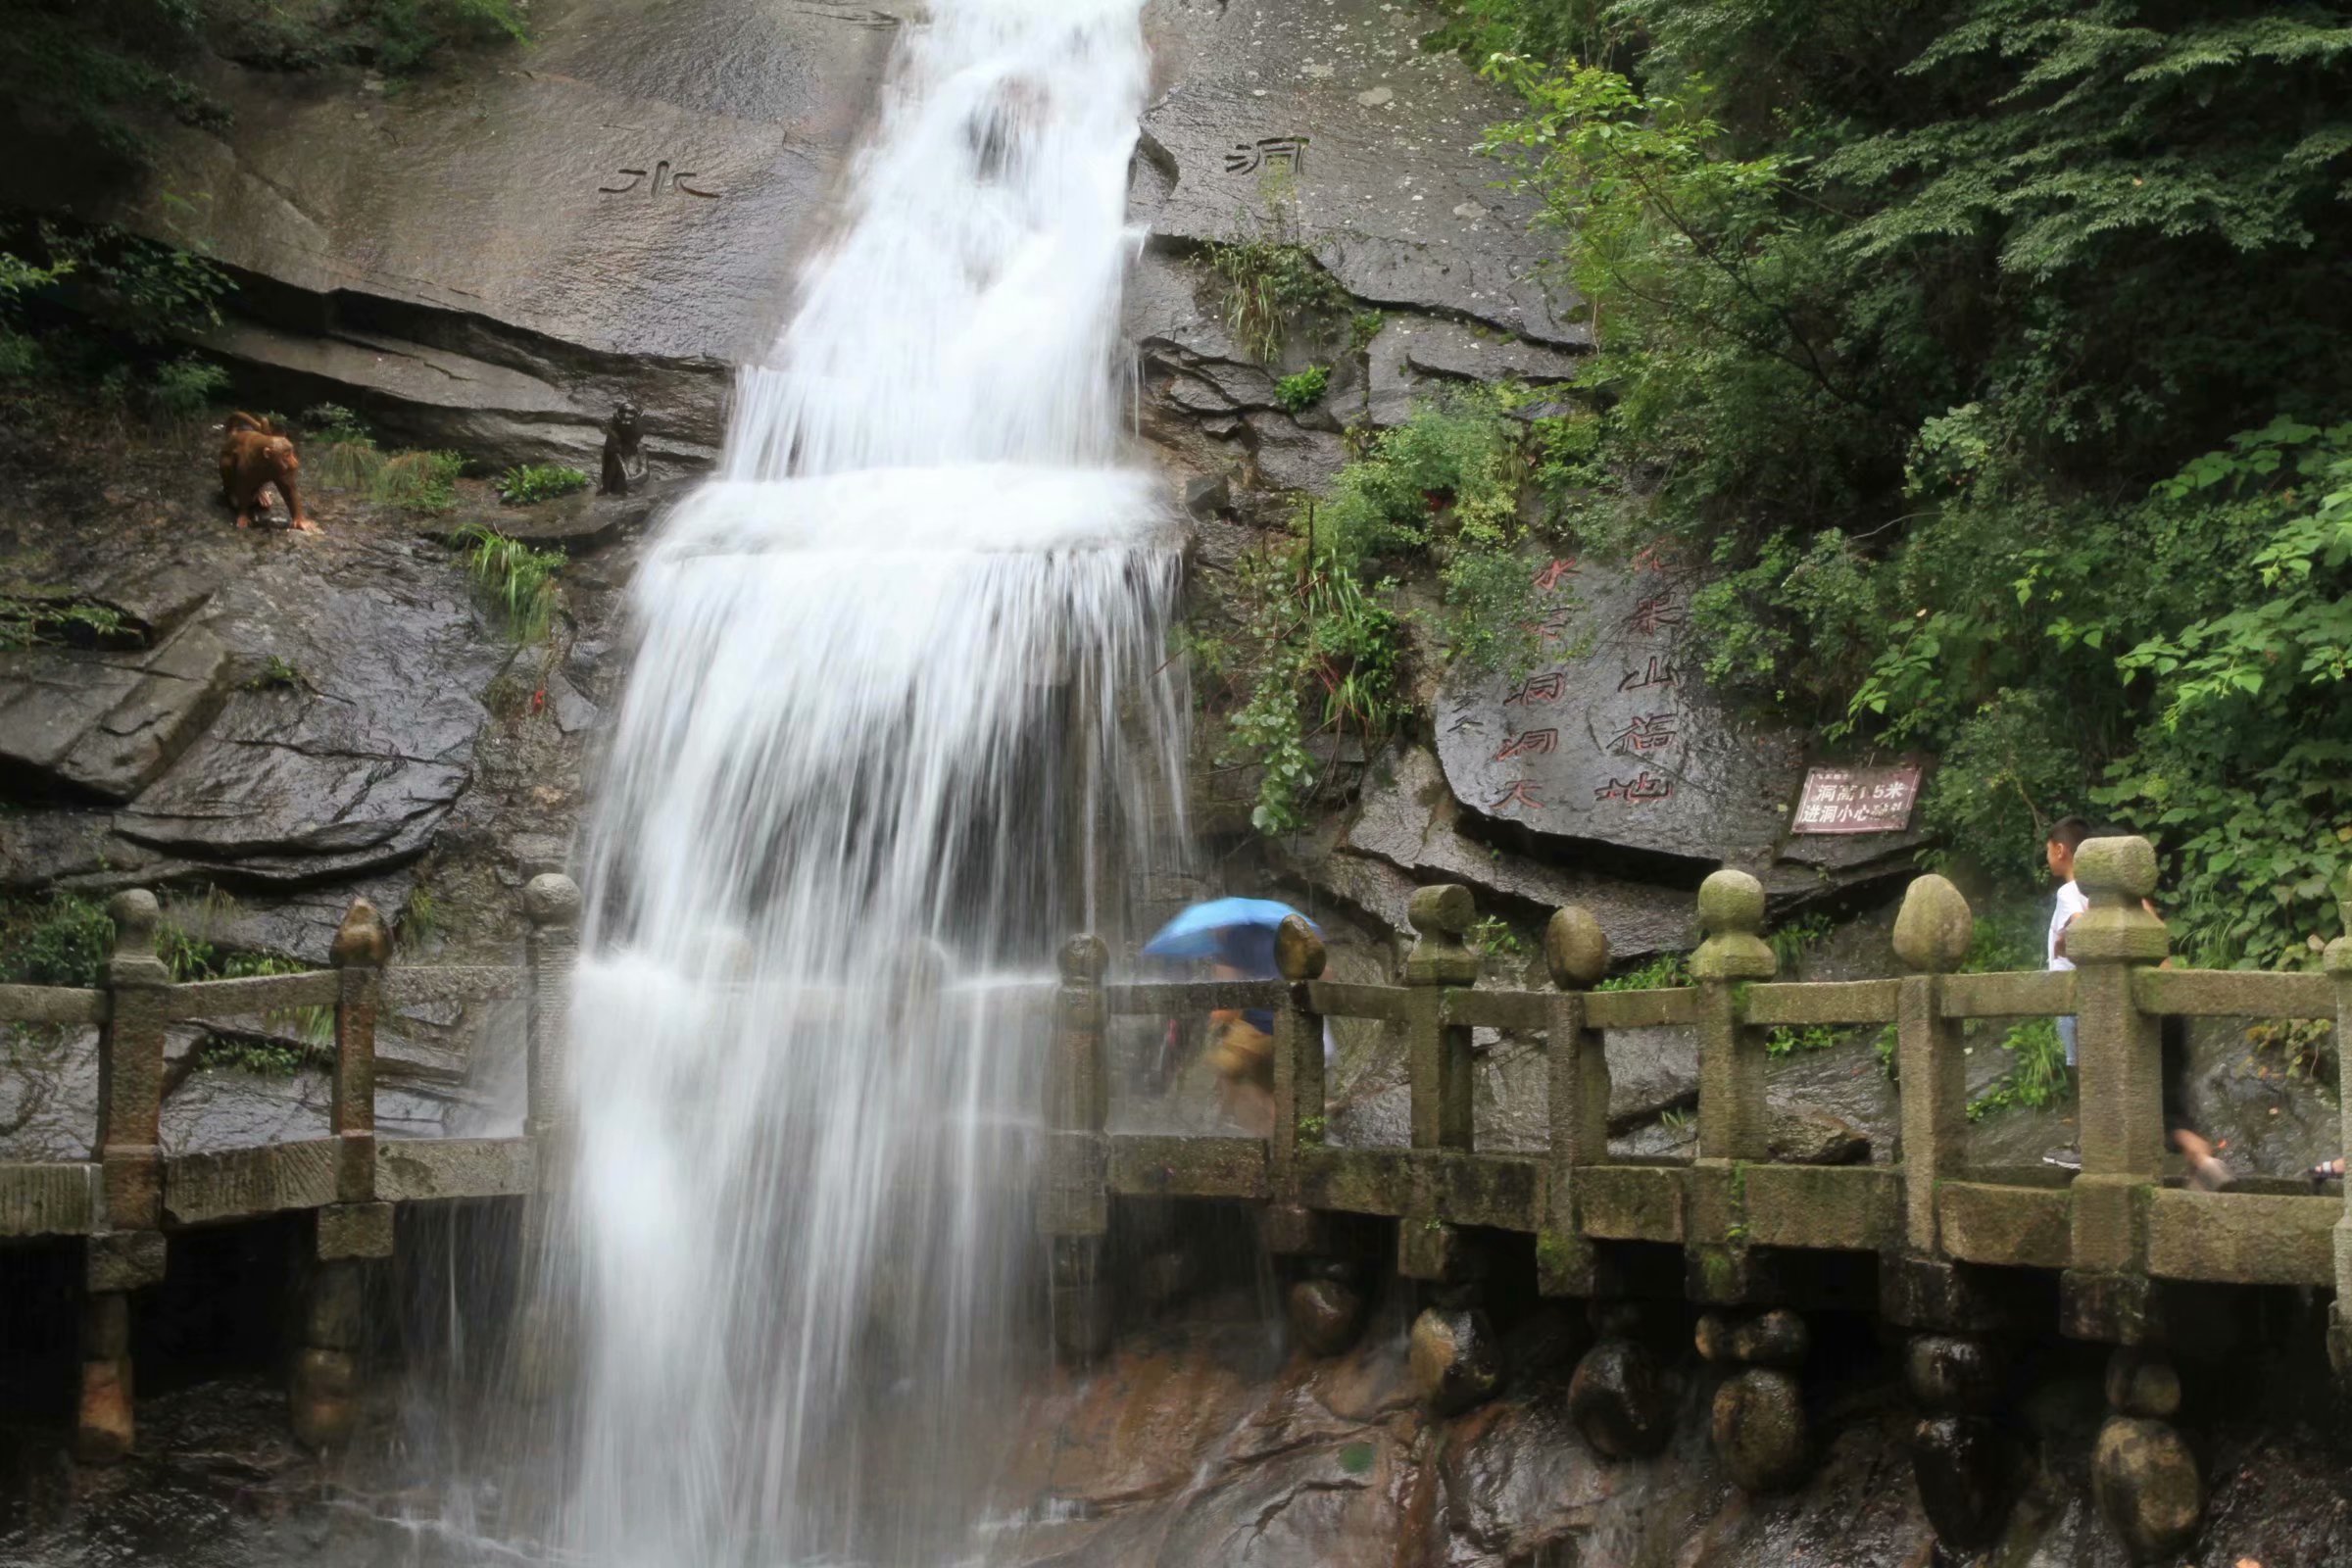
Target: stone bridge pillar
{"type": "Point", "coordinates": [2143, 1473]}
{"type": "Point", "coordinates": [128, 1255]}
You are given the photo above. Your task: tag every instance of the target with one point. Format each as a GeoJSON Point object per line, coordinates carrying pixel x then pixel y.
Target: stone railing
{"type": "Point", "coordinates": [129, 1193]}
{"type": "Point", "coordinates": [1962, 1258]}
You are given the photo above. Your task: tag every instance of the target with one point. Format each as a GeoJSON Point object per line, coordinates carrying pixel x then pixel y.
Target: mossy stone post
{"type": "Point", "coordinates": [1734, 1129]}
{"type": "Point", "coordinates": [1325, 1303]}
{"type": "Point", "coordinates": [128, 1255]}
{"type": "Point", "coordinates": [551, 901]}
{"type": "Point", "coordinates": [1576, 953]}
{"type": "Point", "coordinates": [2340, 1327]}
{"type": "Point", "coordinates": [1439, 1070]}
{"type": "Point", "coordinates": [2143, 1475]}
{"type": "Point", "coordinates": [1960, 1458]}
{"type": "Point", "coordinates": [1075, 1214]}
{"type": "Point", "coordinates": [2120, 1109]}
{"type": "Point", "coordinates": [356, 1229]}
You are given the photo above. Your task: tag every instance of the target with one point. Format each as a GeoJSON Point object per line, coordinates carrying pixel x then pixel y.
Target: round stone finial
{"type": "Point", "coordinates": [1931, 933]}
{"type": "Point", "coordinates": [1444, 910]}
{"type": "Point", "coordinates": [1083, 960]}
{"type": "Point", "coordinates": [1576, 951]}
{"type": "Point", "coordinates": [362, 938]}
{"type": "Point", "coordinates": [2123, 866]}
{"type": "Point", "coordinates": [134, 913]}
{"type": "Point", "coordinates": [1298, 952]}
{"type": "Point", "coordinates": [1731, 903]}
{"type": "Point", "coordinates": [551, 899]}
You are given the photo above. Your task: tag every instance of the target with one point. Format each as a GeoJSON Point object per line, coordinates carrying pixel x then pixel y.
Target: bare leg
{"type": "Point", "coordinates": [2204, 1169]}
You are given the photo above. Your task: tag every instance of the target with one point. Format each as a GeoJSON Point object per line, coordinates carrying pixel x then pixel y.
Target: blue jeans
{"type": "Point", "coordinates": [2066, 1037]}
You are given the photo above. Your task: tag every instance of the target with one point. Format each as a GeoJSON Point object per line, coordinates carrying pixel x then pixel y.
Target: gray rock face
{"type": "Point", "coordinates": [496, 257]}
{"type": "Point", "coordinates": [1615, 740]}
{"type": "Point", "coordinates": [312, 716]}
{"type": "Point", "coordinates": [1409, 819]}
{"type": "Point", "coordinates": [1388, 191]}
{"type": "Point", "coordinates": [1413, 352]}
{"type": "Point", "coordinates": [104, 724]}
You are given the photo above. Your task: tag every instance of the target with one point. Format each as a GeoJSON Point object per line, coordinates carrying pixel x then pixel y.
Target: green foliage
{"type": "Point", "coordinates": [335, 426]}
{"type": "Point", "coordinates": [1987, 353]}
{"type": "Point", "coordinates": [405, 36]}
{"type": "Point", "coordinates": [1314, 657]}
{"type": "Point", "coordinates": [1301, 392]}
{"type": "Point", "coordinates": [2036, 1077]}
{"type": "Point", "coordinates": [185, 387]}
{"type": "Point", "coordinates": [31, 622]}
{"type": "Point", "coordinates": [532, 482]}
{"type": "Point", "coordinates": [277, 676]}
{"type": "Point", "coordinates": [419, 919]}
{"type": "Point", "coordinates": [1665, 972]}
{"type": "Point", "coordinates": [1490, 936]}
{"type": "Point", "coordinates": [516, 580]}
{"type": "Point", "coordinates": [1265, 285]}
{"type": "Point", "coordinates": [1787, 1041]}
{"type": "Point", "coordinates": [1792, 940]}
{"type": "Point", "coordinates": [62, 939]}
{"type": "Point", "coordinates": [421, 484]}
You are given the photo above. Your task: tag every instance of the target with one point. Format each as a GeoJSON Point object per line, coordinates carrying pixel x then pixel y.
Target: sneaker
{"type": "Point", "coordinates": [2064, 1158]}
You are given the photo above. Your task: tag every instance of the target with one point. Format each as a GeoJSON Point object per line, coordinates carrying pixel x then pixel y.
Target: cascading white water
{"type": "Point", "coordinates": [900, 674]}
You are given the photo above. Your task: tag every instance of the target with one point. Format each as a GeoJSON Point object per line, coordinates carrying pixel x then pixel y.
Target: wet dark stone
{"type": "Point", "coordinates": [2148, 1489]}
{"type": "Point", "coordinates": [1965, 1472]}
{"type": "Point", "coordinates": [1455, 1361]}
{"type": "Point", "coordinates": [1758, 1426]}
{"type": "Point", "coordinates": [1619, 1402]}
{"type": "Point", "coordinates": [1325, 1315]}
{"type": "Point", "coordinates": [1777, 1338]}
{"type": "Point", "coordinates": [1954, 1374]}
{"type": "Point", "coordinates": [2140, 1384]}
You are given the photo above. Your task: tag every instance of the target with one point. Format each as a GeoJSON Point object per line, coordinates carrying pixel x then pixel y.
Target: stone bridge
{"type": "Point", "coordinates": [1964, 1259]}
{"type": "Point", "coordinates": [129, 1193]}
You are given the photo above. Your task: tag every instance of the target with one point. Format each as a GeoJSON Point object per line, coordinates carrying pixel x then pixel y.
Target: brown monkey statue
{"type": "Point", "coordinates": [254, 456]}
{"type": "Point", "coordinates": [624, 451]}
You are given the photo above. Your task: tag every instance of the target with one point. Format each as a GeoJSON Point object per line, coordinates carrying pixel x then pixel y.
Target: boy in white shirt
{"type": "Point", "coordinates": [2065, 837]}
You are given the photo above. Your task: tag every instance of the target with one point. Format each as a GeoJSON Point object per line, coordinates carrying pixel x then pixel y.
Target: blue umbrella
{"type": "Point", "coordinates": [1211, 931]}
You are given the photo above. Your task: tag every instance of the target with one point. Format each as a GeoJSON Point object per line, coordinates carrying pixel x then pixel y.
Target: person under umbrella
{"type": "Point", "coordinates": [1236, 938]}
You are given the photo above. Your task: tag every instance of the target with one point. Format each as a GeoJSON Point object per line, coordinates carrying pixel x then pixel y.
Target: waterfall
{"type": "Point", "coordinates": [900, 691]}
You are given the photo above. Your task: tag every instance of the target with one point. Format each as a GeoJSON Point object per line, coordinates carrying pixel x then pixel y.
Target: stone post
{"type": "Point", "coordinates": [1960, 1458]}
{"type": "Point", "coordinates": [552, 949]}
{"type": "Point", "coordinates": [1576, 952]}
{"type": "Point", "coordinates": [1075, 1214]}
{"type": "Point", "coordinates": [1438, 1067]}
{"type": "Point", "coordinates": [542, 1332]}
{"type": "Point", "coordinates": [1734, 1128]}
{"type": "Point", "coordinates": [2104, 1295]}
{"type": "Point", "coordinates": [321, 1394]}
{"type": "Point", "coordinates": [2143, 1476]}
{"type": "Point", "coordinates": [1324, 1305]}
{"type": "Point", "coordinates": [1732, 1121]}
{"type": "Point", "coordinates": [362, 944]}
{"type": "Point", "coordinates": [128, 1253]}
{"type": "Point", "coordinates": [131, 1068]}
{"type": "Point", "coordinates": [2339, 1323]}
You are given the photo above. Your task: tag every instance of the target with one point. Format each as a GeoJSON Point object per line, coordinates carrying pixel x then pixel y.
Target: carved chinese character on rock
{"type": "Point", "coordinates": [662, 175]}
{"type": "Point", "coordinates": [1530, 743]}
{"type": "Point", "coordinates": [1515, 797]}
{"type": "Point", "coordinates": [1656, 672]}
{"type": "Point", "coordinates": [1537, 689]}
{"type": "Point", "coordinates": [1644, 732]}
{"type": "Point", "coordinates": [1267, 152]}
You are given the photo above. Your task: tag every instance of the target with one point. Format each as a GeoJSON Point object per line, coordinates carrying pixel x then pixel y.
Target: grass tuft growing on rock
{"type": "Point", "coordinates": [527, 484]}
{"type": "Point", "coordinates": [515, 579]}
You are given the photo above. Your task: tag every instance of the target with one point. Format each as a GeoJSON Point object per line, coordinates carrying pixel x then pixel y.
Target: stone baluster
{"type": "Point", "coordinates": [1734, 1127]}
{"type": "Point", "coordinates": [2143, 1475]}
{"type": "Point", "coordinates": [1576, 952]}
{"type": "Point", "coordinates": [1075, 1214]}
{"type": "Point", "coordinates": [1454, 1358]}
{"type": "Point", "coordinates": [2339, 1329]}
{"type": "Point", "coordinates": [1732, 1124]}
{"type": "Point", "coordinates": [1960, 1457]}
{"type": "Point", "coordinates": [350, 1233]}
{"type": "Point", "coordinates": [1325, 1303]}
{"type": "Point", "coordinates": [552, 900]}
{"type": "Point", "coordinates": [128, 1255]}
